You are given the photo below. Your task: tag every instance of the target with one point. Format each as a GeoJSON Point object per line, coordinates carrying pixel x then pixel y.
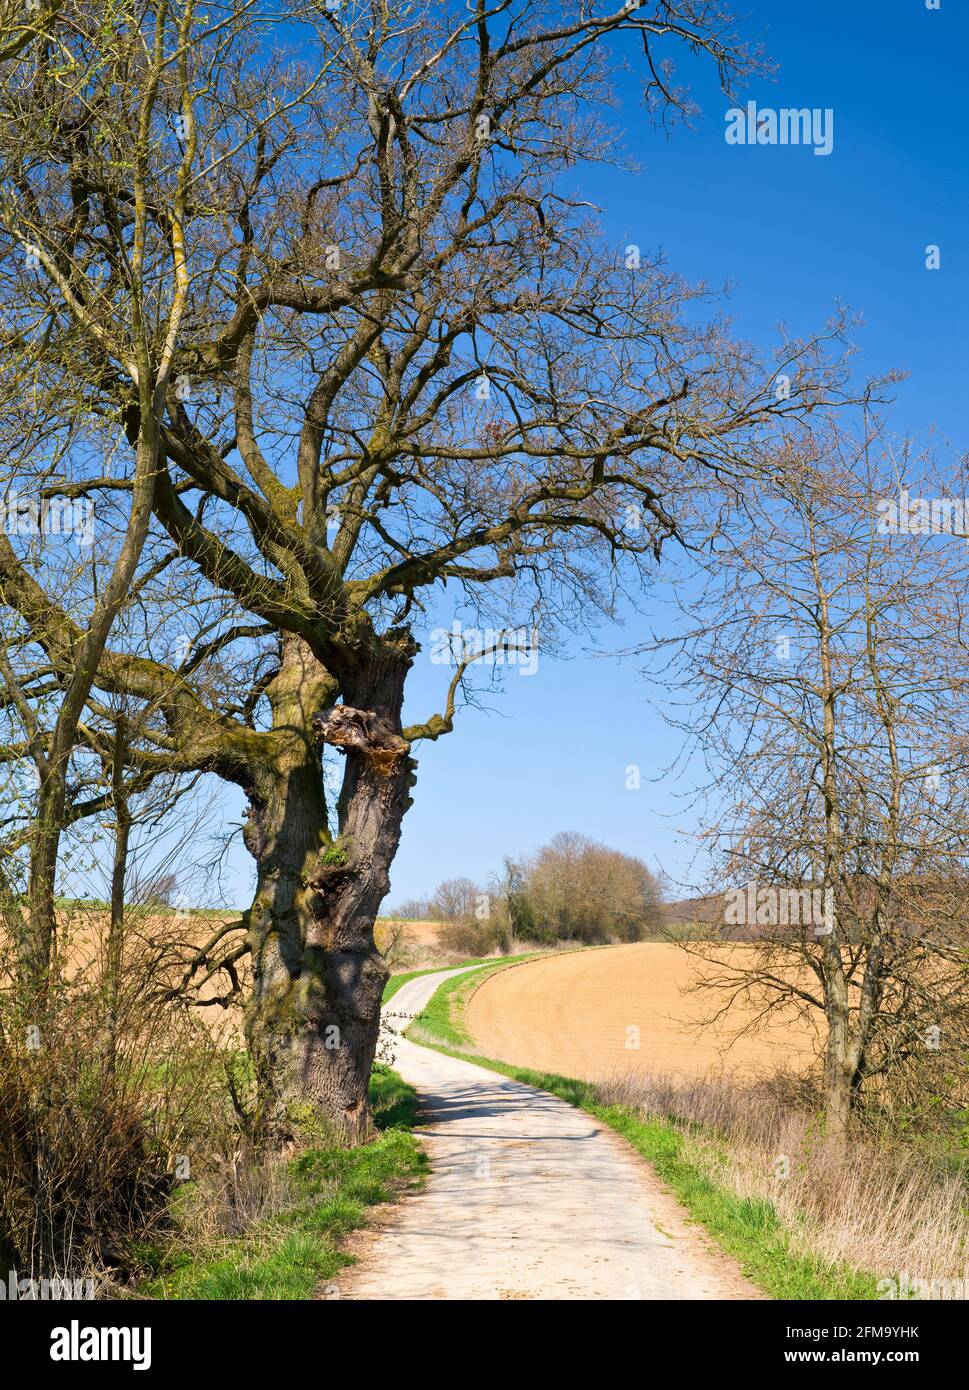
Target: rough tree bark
{"type": "Point", "coordinates": [318, 978]}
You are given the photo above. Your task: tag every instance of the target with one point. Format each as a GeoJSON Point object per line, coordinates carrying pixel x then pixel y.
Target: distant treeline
{"type": "Point", "coordinates": [573, 889]}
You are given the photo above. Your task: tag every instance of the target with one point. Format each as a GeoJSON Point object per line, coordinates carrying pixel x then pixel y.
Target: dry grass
{"type": "Point", "coordinates": [878, 1205]}
{"type": "Point", "coordinates": [109, 1099]}
{"type": "Point", "coordinates": [232, 1194]}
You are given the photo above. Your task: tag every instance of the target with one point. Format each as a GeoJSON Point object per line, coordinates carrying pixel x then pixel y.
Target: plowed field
{"type": "Point", "coordinates": [591, 1014]}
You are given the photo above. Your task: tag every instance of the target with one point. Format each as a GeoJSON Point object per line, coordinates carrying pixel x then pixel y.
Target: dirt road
{"type": "Point", "coordinates": [527, 1198]}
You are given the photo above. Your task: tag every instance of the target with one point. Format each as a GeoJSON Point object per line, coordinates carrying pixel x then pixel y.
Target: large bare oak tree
{"type": "Point", "coordinates": [328, 276]}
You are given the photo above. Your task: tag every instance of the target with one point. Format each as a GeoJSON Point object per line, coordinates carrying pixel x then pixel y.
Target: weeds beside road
{"type": "Point", "coordinates": [294, 1214]}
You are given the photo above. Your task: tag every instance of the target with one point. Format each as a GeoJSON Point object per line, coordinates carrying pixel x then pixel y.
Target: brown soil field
{"type": "Point", "coordinates": [159, 942]}
{"type": "Point", "coordinates": [416, 934]}
{"type": "Point", "coordinates": [82, 935]}
{"type": "Point", "coordinates": [573, 1014]}
{"type": "Point", "coordinates": [84, 928]}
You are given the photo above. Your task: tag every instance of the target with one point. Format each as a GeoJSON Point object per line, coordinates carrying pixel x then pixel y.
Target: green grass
{"type": "Point", "coordinates": [295, 1252]}
{"type": "Point", "coordinates": [746, 1228]}
{"type": "Point", "coordinates": [443, 1015]}
{"type": "Point", "coordinates": [103, 905]}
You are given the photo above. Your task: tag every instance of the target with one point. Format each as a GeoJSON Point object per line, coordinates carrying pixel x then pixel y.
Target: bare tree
{"type": "Point", "coordinates": [824, 677]}
{"type": "Point", "coordinates": [455, 900]}
{"type": "Point", "coordinates": [404, 360]}
{"type": "Point", "coordinates": [577, 889]}
{"type": "Point", "coordinates": [138, 339]}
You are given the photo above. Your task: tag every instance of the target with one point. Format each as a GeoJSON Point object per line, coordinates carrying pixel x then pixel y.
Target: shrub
{"type": "Point", "coordinates": [472, 939]}
{"type": "Point", "coordinates": [98, 1123]}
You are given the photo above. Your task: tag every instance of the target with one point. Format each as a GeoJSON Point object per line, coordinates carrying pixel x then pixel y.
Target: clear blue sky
{"type": "Point", "coordinates": [794, 233]}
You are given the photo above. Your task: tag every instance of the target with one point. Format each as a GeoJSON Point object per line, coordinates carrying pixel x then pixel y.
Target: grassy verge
{"type": "Point", "coordinates": [443, 1016]}
{"type": "Point", "coordinates": [746, 1228]}
{"type": "Point", "coordinates": [327, 1193]}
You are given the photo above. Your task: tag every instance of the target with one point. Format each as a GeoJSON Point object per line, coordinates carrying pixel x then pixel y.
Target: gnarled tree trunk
{"type": "Point", "coordinates": [314, 1015]}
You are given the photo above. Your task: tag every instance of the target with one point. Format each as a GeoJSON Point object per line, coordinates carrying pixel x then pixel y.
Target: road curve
{"type": "Point", "coordinates": [527, 1198]}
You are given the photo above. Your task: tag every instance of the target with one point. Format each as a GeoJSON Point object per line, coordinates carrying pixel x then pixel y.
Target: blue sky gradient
{"type": "Point", "coordinates": [794, 233]}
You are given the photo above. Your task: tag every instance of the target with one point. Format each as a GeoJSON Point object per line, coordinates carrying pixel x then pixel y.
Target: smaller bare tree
{"type": "Point", "coordinates": [824, 677]}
